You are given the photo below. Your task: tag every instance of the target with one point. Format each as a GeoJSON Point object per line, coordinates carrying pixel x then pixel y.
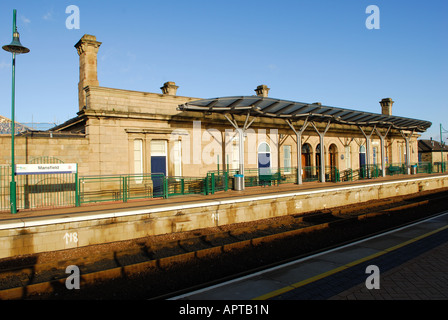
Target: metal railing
{"type": "Point", "coordinates": [5, 178]}
{"type": "Point", "coordinates": [58, 190]}
{"type": "Point", "coordinates": [36, 191]}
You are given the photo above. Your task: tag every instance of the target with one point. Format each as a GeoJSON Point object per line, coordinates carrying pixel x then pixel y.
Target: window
{"type": "Point", "coordinates": [348, 162]}
{"type": "Point", "coordinates": [287, 159]}
{"type": "Point", "coordinates": [158, 148]}
{"type": "Point", "coordinates": [138, 158]}
{"type": "Point", "coordinates": [177, 158]}
{"type": "Point", "coordinates": [264, 148]}
{"type": "Point", "coordinates": [375, 153]}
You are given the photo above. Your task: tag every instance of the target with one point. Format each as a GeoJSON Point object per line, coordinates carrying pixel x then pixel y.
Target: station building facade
{"type": "Point", "coordinates": [129, 132]}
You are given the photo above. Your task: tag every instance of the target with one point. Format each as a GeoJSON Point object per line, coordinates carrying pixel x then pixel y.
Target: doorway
{"type": "Point", "coordinates": [158, 166]}
{"type": "Point", "coordinates": [264, 158]}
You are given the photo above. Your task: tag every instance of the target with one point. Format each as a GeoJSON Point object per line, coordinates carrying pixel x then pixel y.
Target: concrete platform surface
{"type": "Point", "coordinates": [412, 264]}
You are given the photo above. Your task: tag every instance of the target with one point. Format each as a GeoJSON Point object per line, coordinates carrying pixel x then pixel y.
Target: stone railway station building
{"type": "Point", "coordinates": [128, 132]}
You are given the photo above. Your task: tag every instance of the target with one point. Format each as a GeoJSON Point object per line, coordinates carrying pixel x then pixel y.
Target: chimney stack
{"type": "Point", "coordinates": [262, 90]}
{"type": "Point", "coordinates": [87, 49]}
{"type": "Point", "coordinates": [169, 88]}
{"type": "Point", "coordinates": [386, 106]}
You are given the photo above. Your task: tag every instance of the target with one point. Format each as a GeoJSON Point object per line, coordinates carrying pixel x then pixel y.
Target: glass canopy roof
{"type": "Point", "coordinates": [276, 108]}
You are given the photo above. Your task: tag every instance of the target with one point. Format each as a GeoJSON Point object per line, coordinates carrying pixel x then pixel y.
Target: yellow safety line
{"type": "Point", "coordinates": [336, 270]}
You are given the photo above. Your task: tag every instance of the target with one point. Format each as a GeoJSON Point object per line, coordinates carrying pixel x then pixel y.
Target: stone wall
{"type": "Point", "coordinates": [67, 148]}
{"type": "Point", "coordinates": [23, 236]}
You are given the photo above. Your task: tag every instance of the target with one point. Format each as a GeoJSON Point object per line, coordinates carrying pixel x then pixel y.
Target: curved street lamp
{"type": "Point", "coordinates": [15, 47]}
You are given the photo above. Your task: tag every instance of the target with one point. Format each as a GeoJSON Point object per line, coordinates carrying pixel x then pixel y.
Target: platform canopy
{"type": "Point", "coordinates": [276, 108]}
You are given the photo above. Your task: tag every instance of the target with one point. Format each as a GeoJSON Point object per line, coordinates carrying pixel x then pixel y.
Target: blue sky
{"type": "Point", "coordinates": [305, 51]}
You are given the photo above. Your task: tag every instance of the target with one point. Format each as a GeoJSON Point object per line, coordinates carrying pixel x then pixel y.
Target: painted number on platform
{"type": "Point", "coordinates": [71, 237]}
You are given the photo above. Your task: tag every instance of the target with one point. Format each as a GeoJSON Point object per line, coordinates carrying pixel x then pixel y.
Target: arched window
{"type": "Point", "coordinates": [264, 148]}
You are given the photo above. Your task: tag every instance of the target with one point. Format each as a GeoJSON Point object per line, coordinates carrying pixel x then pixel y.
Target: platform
{"type": "Point", "coordinates": [30, 232]}
{"type": "Point", "coordinates": [185, 199]}
{"type": "Point", "coordinates": [412, 264]}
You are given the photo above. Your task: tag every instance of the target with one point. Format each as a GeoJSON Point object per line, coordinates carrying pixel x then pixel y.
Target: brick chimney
{"type": "Point", "coordinates": [87, 49]}
{"type": "Point", "coordinates": [386, 106]}
{"type": "Point", "coordinates": [169, 88]}
{"type": "Point", "coordinates": [262, 90]}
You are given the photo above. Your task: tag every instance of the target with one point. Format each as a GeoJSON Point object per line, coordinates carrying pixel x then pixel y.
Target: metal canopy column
{"type": "Point", "coordinates": [407, 138]}
{"type": "Point", "coordinates": [322, 149]}
{"type": "Point", "coordinates": [299, 147]}
{"type": "Point", "coordinates": [241, 132]}
{"type": "Point", "coordinates": [368, 137]}
{"type": "Point", "coordinates": [383, 150]}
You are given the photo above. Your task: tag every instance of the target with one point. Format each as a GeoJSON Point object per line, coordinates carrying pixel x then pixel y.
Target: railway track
{"type": "Point", "coordinates": [156, 270]}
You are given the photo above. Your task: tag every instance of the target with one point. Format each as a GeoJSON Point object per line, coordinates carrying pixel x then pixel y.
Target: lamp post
{"type": "Point", "coordinates": [15, 47]}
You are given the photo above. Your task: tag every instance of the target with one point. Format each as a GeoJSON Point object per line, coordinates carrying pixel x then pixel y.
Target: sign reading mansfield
{"type": "Point", "coordinates": [22, 169]}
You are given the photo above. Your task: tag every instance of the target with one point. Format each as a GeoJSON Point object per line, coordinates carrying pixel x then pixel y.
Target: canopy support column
{"type": "Point", "coordinates": [322, 149]}
{"type": "Point", "coordinates": [241, 131]}
{"type": "Point", "coordinates": [368, 137]}
{"type": "Point", "coordinates": [407, 138]}
{"type": "Point", "coordinates": [299, 147]}
{"type": "Point", "coordinates": [383, 150]}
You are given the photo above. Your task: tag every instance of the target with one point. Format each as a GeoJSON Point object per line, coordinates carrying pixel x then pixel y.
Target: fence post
{"type": "Point", "coordinates": [213, 183]}
{"type": "Point", "coordinates": [182, 185]}
{"type": "Point", "coordinates": [165, 187]}
{"type": "Point", "coordinates": [76, 189]}
{"type": "Point", "coordinates": [125, 189]}
{"type": "Point", "coordinates": [226, 181]}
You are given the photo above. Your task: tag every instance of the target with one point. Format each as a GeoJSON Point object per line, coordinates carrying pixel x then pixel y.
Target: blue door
{"type": "Point", "coordinates": [362, 159]}
{"type": "Point", "coordinates": [362, 162]}
{"type": "Point", "coordinates": [158, 167]}
{"type": "Point", "coordinates": [264, 163]}
{"type": "Point", "coordinates": [362, 156]}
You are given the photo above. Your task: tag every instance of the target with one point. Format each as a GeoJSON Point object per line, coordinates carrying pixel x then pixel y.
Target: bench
{"type": "Point", "coordinates": [267, 179]}
{"type": "Point", "coordinates": [394, 170]}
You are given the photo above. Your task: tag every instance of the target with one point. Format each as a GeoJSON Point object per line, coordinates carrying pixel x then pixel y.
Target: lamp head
{"type": "Point", "coordinates": [15, 46]}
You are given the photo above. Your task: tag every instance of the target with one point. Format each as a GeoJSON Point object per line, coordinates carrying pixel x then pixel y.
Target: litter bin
{"type": "Point", "coordinates": [238, 182]}
{"type": "Point", "coordinates": [413, 169]}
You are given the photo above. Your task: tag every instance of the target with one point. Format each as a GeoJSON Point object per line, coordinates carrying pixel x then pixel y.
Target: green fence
{"type": "Point", "coordinates": [138, 186]}
{"type": "Point", "coordinates": [120, 188]}
{"type": "Point", "coordinates": [46, 190]}
{"type": "Point", "coordinates": [269, 176]}
{"type": "Point", "coordinates": [5, 178]}
{"type": "Point", "coordinates": [38, 190]}
{"type": "Point", "coordinates": [185, 185]}
{"type": "Point", "coordinates": [58, 190]}
{"type": "Point", "coordinates": [312, 173]}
